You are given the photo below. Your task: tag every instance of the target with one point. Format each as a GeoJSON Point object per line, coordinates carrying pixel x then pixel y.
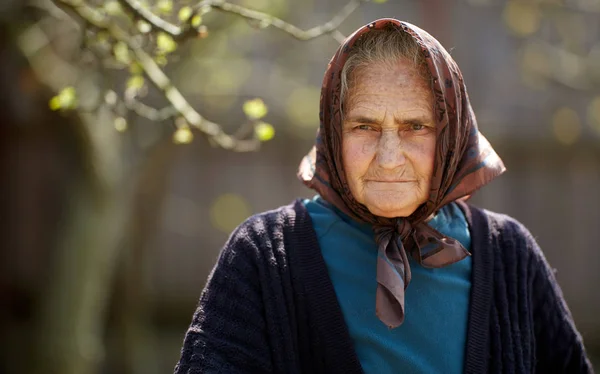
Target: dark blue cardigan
{"type": "Point", "coordinates": [269, 305]}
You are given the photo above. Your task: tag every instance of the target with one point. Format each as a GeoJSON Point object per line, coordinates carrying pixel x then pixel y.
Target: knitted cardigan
{"type": "Point", "coordinates": [270, 307]}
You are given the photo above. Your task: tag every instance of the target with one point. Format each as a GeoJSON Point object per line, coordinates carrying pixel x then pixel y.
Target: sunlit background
{"type": "Point", "coordinates": [112, 221]}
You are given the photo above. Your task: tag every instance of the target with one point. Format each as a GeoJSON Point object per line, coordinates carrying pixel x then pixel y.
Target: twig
{"type": "Point", "coordinates": [211, 129]}
{"type": "Point", "coordinates": [180, 32]}
{"type": "Point", "coordinates": [338, 36]}
{"type": "Point", "coordinates": [294, 31]}
{"type": "Point", "coordinates": [147, 15]}
{"type": "Point", "coordinates": [151, 113]}
{"type": "Point", "coordinates": [112, 99]}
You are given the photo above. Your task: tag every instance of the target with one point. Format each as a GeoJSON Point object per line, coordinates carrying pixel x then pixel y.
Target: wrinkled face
{"type": "Point", "coordinates": [389, 138]}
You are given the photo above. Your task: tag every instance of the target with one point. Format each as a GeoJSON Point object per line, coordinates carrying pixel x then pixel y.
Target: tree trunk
{"type": "Point", "coordinates": [134, 340]}
{"type": "Point", "coordinates": [74, 305]}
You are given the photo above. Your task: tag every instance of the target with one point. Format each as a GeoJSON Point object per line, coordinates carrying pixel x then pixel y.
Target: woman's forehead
{"type": "Point", "coordinates": [400, 72]}
{"type": "Point", "coordinates": [386, 84]}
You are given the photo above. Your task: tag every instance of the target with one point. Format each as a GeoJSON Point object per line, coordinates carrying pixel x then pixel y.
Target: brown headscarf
{"type": "Point", "coordinates": [464, 162]}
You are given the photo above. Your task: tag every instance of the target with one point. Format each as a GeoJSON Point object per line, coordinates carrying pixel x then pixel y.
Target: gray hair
{"type": "Point", "coordinates": [382, 46]}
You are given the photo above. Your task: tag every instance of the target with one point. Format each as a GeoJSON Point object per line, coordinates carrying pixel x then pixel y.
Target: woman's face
{"type": "Point", "coordinates": [389, 138]}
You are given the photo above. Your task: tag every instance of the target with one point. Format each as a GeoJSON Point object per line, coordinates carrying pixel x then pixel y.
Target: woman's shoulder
{"type": "Point", "coordinates": [501, 230]}
{"type": "Point", "coordinates": [266, 229]}
{"type": "Point", "coordinates": [495, 222]}
{"type": "Point", "coordinates": [275, 219]}
{"type": "Point", "coordinates": [268, 240]}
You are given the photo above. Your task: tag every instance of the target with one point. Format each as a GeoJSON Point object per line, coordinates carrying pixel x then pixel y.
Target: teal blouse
{"type": "Point", "coordinates": [433, 335]}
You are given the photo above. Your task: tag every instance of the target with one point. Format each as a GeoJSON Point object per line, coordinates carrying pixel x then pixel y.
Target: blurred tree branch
{"type": "Point", "coordinates": [265, 19]}
{"type": "Point", "coordinates": [92, 19]}
{"type": "Point", "coordinates": [139, 108]}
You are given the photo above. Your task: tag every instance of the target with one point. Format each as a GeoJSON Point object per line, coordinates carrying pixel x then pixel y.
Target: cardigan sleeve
{"type": "Point", "coordinates": [559, 346]}
{"type": "Point", "coordinates": [228, 329]}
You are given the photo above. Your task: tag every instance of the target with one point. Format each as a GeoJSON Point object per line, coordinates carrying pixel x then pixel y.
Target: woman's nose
{"type": "Point", "coordinates": [390, 152]}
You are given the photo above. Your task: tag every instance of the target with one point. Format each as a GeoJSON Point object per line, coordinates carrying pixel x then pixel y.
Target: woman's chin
{"type": "Point", "coordinates": [390, 208]}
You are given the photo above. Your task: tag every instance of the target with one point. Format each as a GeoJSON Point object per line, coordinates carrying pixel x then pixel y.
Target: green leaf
{"type": "Point", "coordinates": [160, 59]}
{"type": "Point", "coordinates": [264, 131]}
{"type": "Point", "coordinates": [165, 43]}
{"type": "Point", "coordinates": [66, 99]}
{"type": "Point", "coordinates": [185, 13]}
{"type": "Point", "coordinates": [102, 36]}
{"type": "Point", "coordinates": [135, 68]}
{"type": "Point", "coordinates": [143, 26]}
{"type": "Point", "coordinates": [255, 109]}
{"type": "Point", "coordinates": [113, 8]}
{"type": "Point", "coordinates": [121, 52]}
{"type": "Point", "coordinates": [54, 103]}
{"type": "Point", "coordinates": [135, 82]}
{"type": "Point", "coordinates": [183, 135]}
{"type": "Point", "coordinates": [196, 20]}
{"type": "Point", "coordinates": [165, 7]}
{"type": "Point", "coordinates": [120, 124]}
{"type": "Point", "coordinates": [204, 9]}
{"type": "Point", "coordinates": [379, 1]}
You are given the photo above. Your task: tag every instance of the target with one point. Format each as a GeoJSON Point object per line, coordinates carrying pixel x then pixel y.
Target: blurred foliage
{"type": "Point", "coordinates": [264, 131]}
{"type": "Point", "coordinates": [144, 38]}
{"type": "Point", "coordinates": [559, 48]}
{"type": "Point", "coordinates": [594, 114]}
{"type": "Point", "coordinates": [300, 108]}
{"type": "Point", "coordinates": [566, 125]}
{"type": "Point", "coordinates": [522, 18]}
{"type": "Point", "coordinates": [65, 100]}
{"type": "Point", "coordinates": [228, 210]}
{"type": "Point", "coordinates": [120, 124]}
{"type": "Point", "coordinates": [255, 109]}
{"type": "Point", "coordinates": [183, 135]}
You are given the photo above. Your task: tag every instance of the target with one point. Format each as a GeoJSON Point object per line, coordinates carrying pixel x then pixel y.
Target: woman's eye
{"type": "Point", "coordinates": [417, 127]}
{"type": "Point", "coordinates": [363, 127]}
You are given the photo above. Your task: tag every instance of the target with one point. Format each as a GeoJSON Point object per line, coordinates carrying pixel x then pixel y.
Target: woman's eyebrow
{"type": "Point", "coordinates": [361, 119]}
{"type": "Point", "coordinates": [412, 121]}
{"type": "Point", "coordinates": [371, 120]}
{"type": "Point", "coordinates": [418, 119]}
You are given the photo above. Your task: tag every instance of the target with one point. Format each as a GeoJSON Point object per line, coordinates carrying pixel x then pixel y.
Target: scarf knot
{"type": "Point", "coordinates": [401, 229]}
{"type": "Point", "coordinates": [404, 228]}
{"type": "Point", "coordinates": [393, 270]}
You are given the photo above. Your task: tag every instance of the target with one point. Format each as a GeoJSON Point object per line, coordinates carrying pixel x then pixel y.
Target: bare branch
{"type": "Point", "coordinates": [156, 22]}
{"type": "Point", "coordinates": [180, 32]}
{"type": "Point", "coordinates": [213, 131]}
{"type": "Point", "coordinates": [338, 36]}
{"type": "Point", "coordinates": [151, 113]}
{"type": "Point", "coordinates": [90, 17]}
{"type": "Point", "coordinates": [294, 31]}
{"type": "Point", "coordinates": [128, 102]}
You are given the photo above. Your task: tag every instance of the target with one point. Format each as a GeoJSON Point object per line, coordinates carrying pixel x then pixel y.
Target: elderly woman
{"type": "Point", "coordinates": [387, 269]}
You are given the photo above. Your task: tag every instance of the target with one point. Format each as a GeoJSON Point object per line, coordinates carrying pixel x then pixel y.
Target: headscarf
{"type": "Point", "coordinates": [464, 162]}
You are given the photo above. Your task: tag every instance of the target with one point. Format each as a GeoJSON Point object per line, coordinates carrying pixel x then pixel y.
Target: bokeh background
{"type": "Point", "coordinates": [112, 221]}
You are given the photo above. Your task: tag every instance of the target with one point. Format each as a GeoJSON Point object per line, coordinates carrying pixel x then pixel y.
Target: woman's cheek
{"type": "Point", "coordinates": [358, 153]}
{"type": "Point", "coordinates": [367, 146]}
